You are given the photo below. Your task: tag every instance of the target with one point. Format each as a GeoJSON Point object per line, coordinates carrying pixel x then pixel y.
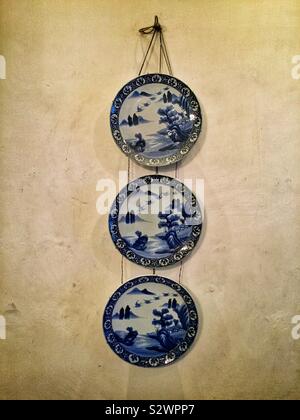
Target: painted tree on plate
{"type": "Point", "coordinates": [165, 324]}
{"type": "Point", "coordinates": [127, 312]}
{"type": "Point", "coordinates": [168, 221]}
{"type": "Point", "coordinates": [135, 119]}
{"type": "Point", "coordinates": [174, 304]}
{"type": "Point", "coordinates": [178, 123]}
{"type": "Point", "coordinates": [122, 314]}
{"type": "Point", "coordinates": [165, 319]}
{"type": "Point", "coordinates": [183, 315]}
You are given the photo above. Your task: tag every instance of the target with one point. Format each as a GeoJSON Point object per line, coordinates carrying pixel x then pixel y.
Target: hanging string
{"type": "Point", "coordinates": [181, 272]}
{"type": "Point", "coordinates": [123, 258]}
{"type": "Point", "coordinates": [181, 263]}
{"type": "Point", "coordinates": [157, 33]}
{"type": "Point", "coordinates": [165, 53]}
{"type": "Point", "coordinates": [160, 52]}
{"type": "Point", "coordinates": [122, 270]}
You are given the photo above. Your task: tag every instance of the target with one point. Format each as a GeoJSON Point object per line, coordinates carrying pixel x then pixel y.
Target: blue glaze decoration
{"type": "Point", "coordinates": [155, 221]}
{"type": "Point", "coordinates": [156, 119]}
{"type": "Point", "coordinates": [150, 321]}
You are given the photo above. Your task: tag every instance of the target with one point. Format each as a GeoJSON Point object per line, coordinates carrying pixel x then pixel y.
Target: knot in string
{"type": "Point", "coordinates": [152, 29]}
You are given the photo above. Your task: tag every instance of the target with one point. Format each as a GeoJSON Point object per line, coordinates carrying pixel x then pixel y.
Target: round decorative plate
{"type": "Point", "coordinates": [150, 321]}
{"type": "Point", "coordinates": [155, 221]}
{"type": "Point", "coordinates": [156, 119]}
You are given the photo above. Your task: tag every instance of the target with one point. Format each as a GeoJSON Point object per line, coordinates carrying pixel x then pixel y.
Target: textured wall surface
{"type": "Point", "coordinates": [66, 59]}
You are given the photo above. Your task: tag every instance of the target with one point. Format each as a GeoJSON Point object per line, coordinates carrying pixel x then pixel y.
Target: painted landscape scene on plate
{"type": "Point", "coordinates": [155, 221]}
{"type": "Point", "coordinates": [150, 320]}
{"type": "Point", "coordinates": [156, 120]}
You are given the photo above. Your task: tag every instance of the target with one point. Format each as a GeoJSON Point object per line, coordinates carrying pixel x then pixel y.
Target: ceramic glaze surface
{"type": "Point", "coordinates": [150, 321]}
{"type": "Point", "coordinates": [156, 119]}
{"type": "Point", "coordinates": [155, 221]}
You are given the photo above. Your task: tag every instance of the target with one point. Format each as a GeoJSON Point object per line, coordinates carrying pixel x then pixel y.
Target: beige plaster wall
{"type": "Point", "coordinates": [66, 59]}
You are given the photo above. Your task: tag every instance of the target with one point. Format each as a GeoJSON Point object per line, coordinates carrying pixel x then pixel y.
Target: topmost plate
{"type": "Point", "coordinates": [156, 119]}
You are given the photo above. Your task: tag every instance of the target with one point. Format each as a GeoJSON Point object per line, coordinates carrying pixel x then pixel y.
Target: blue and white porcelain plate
{"type": "Point", "coordinates": [155, 221]}
{"type": "Point", "coordinates": [150, 321]}
{"type": "Point", "coordinates": [156, 119]}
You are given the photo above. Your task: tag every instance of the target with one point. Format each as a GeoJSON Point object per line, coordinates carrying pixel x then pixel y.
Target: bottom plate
{"type": "Point", "coordinates": [150, 321]}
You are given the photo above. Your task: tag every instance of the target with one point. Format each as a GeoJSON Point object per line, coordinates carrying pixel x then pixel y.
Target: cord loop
{"type": "Point", "coordinates": [156, 31]}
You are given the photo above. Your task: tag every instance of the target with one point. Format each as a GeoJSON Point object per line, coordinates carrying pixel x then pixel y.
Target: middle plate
{"type": "Point", "coordinates": [155, 221]}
